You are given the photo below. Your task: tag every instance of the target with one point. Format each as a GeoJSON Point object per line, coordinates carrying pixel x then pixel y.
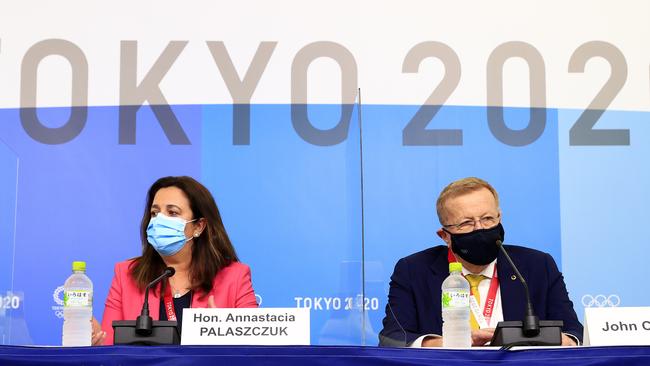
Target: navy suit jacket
{"type": "Point", "coordinates": [414, 295]}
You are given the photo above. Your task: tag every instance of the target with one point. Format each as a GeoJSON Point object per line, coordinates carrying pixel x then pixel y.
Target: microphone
{"type": "Point", "coordinates": [144, 323]}
{"type": "Point", "coordinates": [531, 321]}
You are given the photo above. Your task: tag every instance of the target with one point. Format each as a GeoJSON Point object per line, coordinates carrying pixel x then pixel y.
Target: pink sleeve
{"type": "Point", "coordinates": [245, 294]}
{"type": "Point", "coordinates": [113, 307]}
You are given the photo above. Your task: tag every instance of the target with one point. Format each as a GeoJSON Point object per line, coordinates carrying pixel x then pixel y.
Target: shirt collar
{"type": "Point", "coordinates": [487, 272]}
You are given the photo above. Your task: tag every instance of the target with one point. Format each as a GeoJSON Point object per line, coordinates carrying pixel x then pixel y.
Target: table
{"type": "Point", "coordinates": [318, 355]}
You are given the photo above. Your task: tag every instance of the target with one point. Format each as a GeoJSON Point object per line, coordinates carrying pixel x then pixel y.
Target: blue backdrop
{"type": "Point", "coordinates": [293, 208]}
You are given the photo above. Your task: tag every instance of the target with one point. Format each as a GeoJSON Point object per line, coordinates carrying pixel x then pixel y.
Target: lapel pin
{"type": "Point", "coordinates": [513, 277]}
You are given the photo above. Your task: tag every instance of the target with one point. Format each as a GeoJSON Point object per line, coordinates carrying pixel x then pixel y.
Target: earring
{"type": "Point", "coordinates": [196, 235]}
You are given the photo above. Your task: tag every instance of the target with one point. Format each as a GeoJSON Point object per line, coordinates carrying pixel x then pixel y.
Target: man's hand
{"type": "Point", "coordinates": [481, 336]}
{"type": "Point", "coordinates": [568, 341]}
{"type": "Point", "coordinates": [432, 342]}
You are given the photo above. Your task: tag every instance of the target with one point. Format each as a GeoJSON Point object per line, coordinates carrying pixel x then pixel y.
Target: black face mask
{"type": "Point", "coordinates": [479, 246]}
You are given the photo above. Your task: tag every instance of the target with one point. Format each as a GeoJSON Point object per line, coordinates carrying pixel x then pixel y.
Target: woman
{"type": "Point", "coordinates": [181, 228]}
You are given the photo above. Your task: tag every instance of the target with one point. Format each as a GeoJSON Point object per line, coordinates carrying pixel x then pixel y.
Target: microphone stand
{"type": "Point", "coordinates": [144, 330]}
{"type": "Point", "coordinates": [531, 321]}
{"type": "Point", "coordinates": [144, 322]}
{"type": "Point", "coordinates": [531, 331]}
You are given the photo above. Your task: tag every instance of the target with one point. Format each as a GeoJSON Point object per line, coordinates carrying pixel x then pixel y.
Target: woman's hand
{"type": "Point", "coordinates": [98, 334]}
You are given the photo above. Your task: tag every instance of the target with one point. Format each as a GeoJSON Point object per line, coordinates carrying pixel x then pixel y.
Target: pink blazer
{"type": "Point", "coordinates": [232, 288]}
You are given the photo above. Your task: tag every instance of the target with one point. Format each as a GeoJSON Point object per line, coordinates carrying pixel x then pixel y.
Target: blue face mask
{"type": "Point", "coordinates": [167, 234]}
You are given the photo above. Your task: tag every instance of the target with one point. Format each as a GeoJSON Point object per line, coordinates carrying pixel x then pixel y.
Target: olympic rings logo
{"type": "Point", "coordinates": [57, 296]}
{"type": "Point", "coordinates": [600, 301]}
{"type": "Point", "coordinates": [58, 308]}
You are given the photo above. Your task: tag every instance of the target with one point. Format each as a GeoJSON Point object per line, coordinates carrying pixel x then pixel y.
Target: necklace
{"type": "Point", "coordinates": [178, 293]}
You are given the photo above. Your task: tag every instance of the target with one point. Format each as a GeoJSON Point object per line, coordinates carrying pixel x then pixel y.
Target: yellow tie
{"type": "Point", "coordinates": [474, 281]}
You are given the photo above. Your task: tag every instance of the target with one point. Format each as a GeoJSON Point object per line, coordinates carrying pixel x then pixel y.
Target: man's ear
{"type": "Point", "coordinates": [444, 236]}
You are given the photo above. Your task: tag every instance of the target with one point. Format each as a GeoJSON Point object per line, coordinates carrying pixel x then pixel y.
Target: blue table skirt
{"type": "Point", "coordinates": [317, 355]}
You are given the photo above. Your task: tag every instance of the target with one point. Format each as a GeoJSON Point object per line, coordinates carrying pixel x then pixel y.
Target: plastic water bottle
{"type": "Point", "coordinates": [456, 329]}
{"type": "Point", "coordinates": [77, 307]}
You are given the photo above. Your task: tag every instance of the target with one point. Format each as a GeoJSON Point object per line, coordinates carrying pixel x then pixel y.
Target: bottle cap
{"type": "Point", "coordinates": [79, 266]}
{"type": "Point", "coordinates": [455, 267]}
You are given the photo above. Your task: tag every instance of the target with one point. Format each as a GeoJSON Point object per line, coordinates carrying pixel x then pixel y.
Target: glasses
{"type": "Point", "coordinates": [466, 226]}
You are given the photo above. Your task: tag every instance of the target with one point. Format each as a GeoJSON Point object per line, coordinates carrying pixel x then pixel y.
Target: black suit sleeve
{"type": "Point", "coordinates": [400, 322]}
{"type": "Point", "coordinates": [559, 305]}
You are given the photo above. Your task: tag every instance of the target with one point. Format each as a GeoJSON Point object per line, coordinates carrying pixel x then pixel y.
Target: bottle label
{"type": "Point", "coordinates": [455, 299]}
{"type": "Point", "coordinates": [77, 298]}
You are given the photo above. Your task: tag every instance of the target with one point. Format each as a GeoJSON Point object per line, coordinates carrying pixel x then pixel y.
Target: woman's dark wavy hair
{"type": "Point", "coordinates": [212, 250]}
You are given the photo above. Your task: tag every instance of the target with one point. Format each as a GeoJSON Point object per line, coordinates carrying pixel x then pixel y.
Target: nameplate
{"type": "Point", "coordinates": [246, 326]}
{"type": "Point", "coordinates": [617, 326]}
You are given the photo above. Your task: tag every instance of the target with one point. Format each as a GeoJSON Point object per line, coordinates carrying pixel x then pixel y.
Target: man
{"type": "Point", "coordinates": [468, 210]}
